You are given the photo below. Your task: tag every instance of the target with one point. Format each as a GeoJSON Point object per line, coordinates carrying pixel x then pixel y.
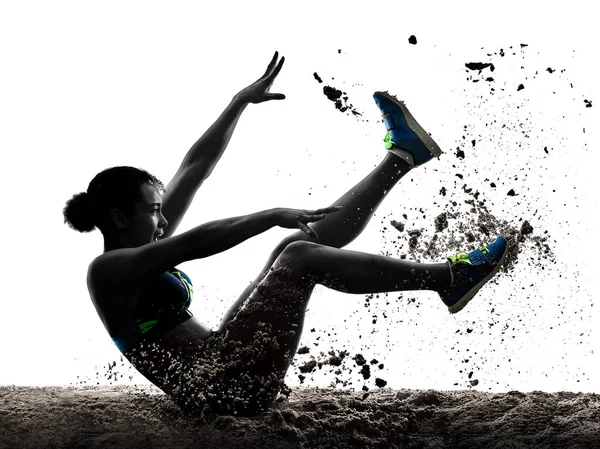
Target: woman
{"type": "Point", "coordinates": [143, 300]}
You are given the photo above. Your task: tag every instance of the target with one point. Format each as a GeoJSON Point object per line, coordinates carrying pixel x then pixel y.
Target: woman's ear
{"type": "Point", "coordinates": [119, 219]}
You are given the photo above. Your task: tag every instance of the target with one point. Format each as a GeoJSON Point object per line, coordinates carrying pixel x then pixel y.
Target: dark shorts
{"type": "Point", "coordinates": [210, 377]}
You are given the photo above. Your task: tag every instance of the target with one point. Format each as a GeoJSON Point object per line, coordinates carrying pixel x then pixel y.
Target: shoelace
{"type": "Point", "coordinates": [464, 258]}
{"type": "Point", "coordinates": [388, 141]}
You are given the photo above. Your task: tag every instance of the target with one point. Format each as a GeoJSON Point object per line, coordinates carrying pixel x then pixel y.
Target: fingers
{"type": "Point", "coordinates": [273, 71]}
{"type": "Point", "coordinates": [304, 217]}
{"type": "Point", "coordinates": [326, 210]}
{"type": "Point", "coordinates": [311, 218]}
{"type": "Point", "coordinates": [307, 229]}
{"type": "Point", "coordinates": [319, 214]}
{"type": "Point", "coordinates": [271, 65]}
{"type": "Point", "coordinates": [278, 68]}
{"type": "Point", "coordinates": [274, 97]}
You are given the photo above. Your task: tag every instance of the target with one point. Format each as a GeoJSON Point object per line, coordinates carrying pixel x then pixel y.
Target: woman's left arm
{"type": "Point", "coordinates": [202, 158]}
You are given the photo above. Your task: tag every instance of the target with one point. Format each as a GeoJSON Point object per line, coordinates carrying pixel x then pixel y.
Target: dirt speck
{"type": "Point", "coordinates": [398, 225]}
{"type": "Point", "coordinates": [479, 66]}
{"type": "Point", "coordinates": [441, 222]}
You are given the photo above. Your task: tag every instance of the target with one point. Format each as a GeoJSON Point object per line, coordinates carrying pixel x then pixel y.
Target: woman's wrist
{"type": "Point", "coordinates": [271, 217]}
{"type": "Point", "coordinates": [240, 100]}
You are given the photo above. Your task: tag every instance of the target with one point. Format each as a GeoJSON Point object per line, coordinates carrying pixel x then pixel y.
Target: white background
{"type": "Point", "coordinates": [89, 85]}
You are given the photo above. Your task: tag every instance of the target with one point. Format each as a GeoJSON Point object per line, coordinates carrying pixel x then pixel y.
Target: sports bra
{"type": "Point", "coordinates": [162, 305]}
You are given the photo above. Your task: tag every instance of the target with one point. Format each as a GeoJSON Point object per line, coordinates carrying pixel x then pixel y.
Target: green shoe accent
{"type": "Point", "coordinates": [388, 141]}
{"type": "Point", "coordinates": [464, 258]}
{"type": "Point", "coordinates": [461, 257]}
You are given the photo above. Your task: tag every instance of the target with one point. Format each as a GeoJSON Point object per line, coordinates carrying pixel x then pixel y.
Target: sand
{"type": "Point", "coordinates": [131, 417]}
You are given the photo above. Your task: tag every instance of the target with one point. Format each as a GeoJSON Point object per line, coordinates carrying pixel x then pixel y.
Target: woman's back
{"type": "Point", "coordinates": [146, 311]}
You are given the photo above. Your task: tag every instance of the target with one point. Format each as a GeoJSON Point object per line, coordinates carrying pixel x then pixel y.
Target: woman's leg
{"type": "Point", "coordinates": [261, 340]}
{"type": "Point", "coordinates": [339, 229]}
{"type": "Point", "coordinates": [358, 206]}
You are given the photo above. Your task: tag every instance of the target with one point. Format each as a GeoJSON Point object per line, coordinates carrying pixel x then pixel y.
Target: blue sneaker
{"type": "Point", "coordinates": [405, 137]}
{"type": "Point", "coordinates": [471, 271]}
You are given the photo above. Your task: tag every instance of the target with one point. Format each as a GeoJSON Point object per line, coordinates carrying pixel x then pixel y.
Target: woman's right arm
{"type": "Point", "coordinates": [131, 266]}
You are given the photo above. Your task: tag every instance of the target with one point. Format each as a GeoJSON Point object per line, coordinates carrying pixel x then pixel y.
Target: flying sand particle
{"type": "Point", "coordinates": [366, 371]}
{"type": "Point", "coordinates": [359, 359]}
{"type": "Point", "coordinates": [380, 382]}
{"type": "Point", "coordinates": [399, 226]}
{"type": "Point", "coordinates": [341, 103]}
{"type": "Point", "coordinates": [479, 66]}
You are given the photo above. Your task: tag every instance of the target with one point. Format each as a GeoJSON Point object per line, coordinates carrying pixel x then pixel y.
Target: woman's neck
{"type": "Point", "coordinates": [114, 243]}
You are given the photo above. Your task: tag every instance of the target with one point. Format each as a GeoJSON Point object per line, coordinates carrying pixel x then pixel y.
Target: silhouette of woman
{"type": "Point", "coordinates": [143, 299]}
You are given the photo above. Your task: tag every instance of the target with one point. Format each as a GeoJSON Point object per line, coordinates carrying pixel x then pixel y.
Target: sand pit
{"type": "Point", "coordinates": [115, 417]}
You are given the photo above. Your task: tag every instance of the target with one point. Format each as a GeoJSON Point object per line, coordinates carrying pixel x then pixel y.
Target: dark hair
{"type": "Point", "coordinates": [113, 188]}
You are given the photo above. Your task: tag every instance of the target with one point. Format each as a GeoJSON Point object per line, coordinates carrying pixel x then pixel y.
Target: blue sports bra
{"type": "Point", "coordinates": [163, 304]}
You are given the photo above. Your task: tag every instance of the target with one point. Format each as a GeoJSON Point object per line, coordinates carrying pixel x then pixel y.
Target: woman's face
{"type": "Point", "coordinates": [147, 221]}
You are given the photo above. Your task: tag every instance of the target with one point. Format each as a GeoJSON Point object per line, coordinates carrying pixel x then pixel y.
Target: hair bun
{"type": "Point", "coordinates": [78, 213]}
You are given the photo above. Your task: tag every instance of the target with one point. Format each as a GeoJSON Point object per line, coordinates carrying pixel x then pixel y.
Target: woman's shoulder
{"type": "Point", "coordinates": [97, 267]}
{"type": "Point", "coordinates": [101, 279]}
{"type": "Point", "coordinates": [114, 302]}
{"type": "Point", "coordinates": [133, 266]}
{"type": "Point", "coordinates": [101, 269]}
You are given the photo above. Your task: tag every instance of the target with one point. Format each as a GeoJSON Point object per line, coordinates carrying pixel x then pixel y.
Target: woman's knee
{"type": "Point", "coordinates": [298, 251]}
{"type": "Point", "coordinates": [290, 239]}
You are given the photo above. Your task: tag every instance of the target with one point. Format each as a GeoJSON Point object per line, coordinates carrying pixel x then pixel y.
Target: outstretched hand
{"type": "Point", "coordinates": [294, 218]}
{"type": "Point", "coordinates": [258, 91]}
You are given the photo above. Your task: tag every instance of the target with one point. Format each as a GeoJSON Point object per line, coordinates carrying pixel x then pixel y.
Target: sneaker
{"type": "Point", "coordinates": [405, 137]}
{"type": "Point", "coordinates": [470, 271]}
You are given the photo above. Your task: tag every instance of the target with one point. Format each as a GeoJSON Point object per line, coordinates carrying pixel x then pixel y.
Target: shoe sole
{"type": "Point", "coordinates": [462, 302]}
{"type": "Point", "coordinates": [414, 126]}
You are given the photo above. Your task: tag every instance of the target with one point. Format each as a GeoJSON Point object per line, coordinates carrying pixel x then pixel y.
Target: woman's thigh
{"type": "Point", "coordinates": [246, 294]}
{"type": "Point", "coordinates": [260, 342]}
